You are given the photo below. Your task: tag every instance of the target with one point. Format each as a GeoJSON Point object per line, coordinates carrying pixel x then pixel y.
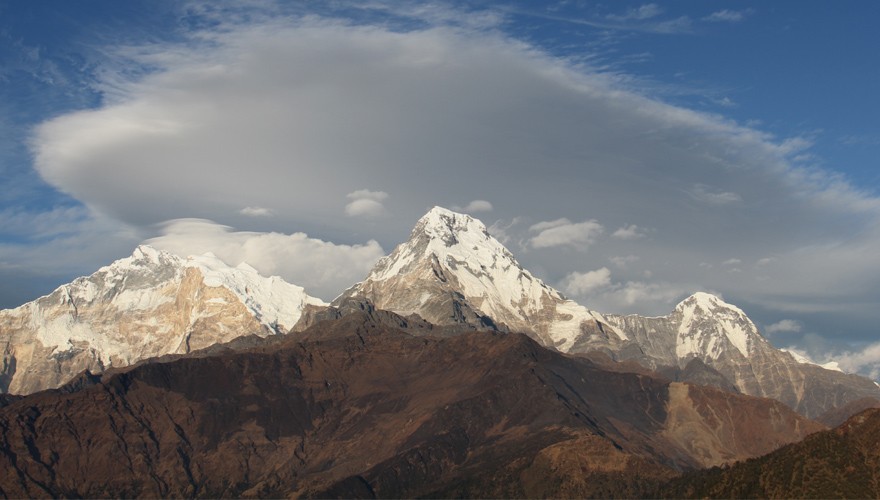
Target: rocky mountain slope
{"type": "Point", "coordinates": [149, 304]}
{"type": "Point", "coordinates": [452, 271]}
{"type": "Point", "coordinates": [355, 408]}
{"type": "Point", "coordinates": [838, 463]}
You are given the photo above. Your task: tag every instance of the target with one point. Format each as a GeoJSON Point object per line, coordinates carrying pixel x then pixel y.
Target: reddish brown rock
{"type": "Point", "coordinates": [355, 408]}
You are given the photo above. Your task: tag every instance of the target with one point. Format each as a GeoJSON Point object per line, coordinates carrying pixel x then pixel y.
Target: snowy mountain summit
{"type": "Point", "coordinates": [149, 304]}
{"type": "Point", "coordinates": [451, 270]}
{"type": "Point", "coordinates": [709, 326]}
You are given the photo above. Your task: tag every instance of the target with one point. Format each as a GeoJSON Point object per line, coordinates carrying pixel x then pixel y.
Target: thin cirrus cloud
{"type": "Point", "coordinates": [257, 212]}
{"type": "Point", "coordinates": [304, 113]}
{"type": "Point", "coordinates": [727, 16]}
{"type": "Point", "coordinates": [629, 232]}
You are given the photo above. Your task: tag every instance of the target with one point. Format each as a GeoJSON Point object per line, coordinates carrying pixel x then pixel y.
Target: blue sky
{"type": "Point", "coordinates": [669, 147]}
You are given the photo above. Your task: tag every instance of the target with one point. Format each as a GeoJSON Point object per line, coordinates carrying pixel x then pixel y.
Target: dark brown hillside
{"type": "Point", "coordinates": [355, 408]}
{"type": "Point", "coordinates": [838, 463]}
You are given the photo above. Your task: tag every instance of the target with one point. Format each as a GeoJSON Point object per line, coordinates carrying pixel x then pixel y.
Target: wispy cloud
{"type": "Point", "coordinates": [727, 16]}
{"type": "Point", "coordinates": [706, 194]}
{"type": "Point", "coordinates": [629, 232]}
{"type": "Point", "coordinates": [785, 325]}
{"type": "Point", "coordinates": [257, 212]}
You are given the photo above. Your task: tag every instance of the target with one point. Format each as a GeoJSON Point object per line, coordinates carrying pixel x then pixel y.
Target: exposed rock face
{"type": "Point", "coordinates": [705, 328]}
{"type": "Point", "coordinates": [354, 408]}
{"type": "Point", "coordinates": [146, 305]}
{"type": "Point", "coordinates": [452, 271]}
{"type": "Point", "coordinates": [839, 463]}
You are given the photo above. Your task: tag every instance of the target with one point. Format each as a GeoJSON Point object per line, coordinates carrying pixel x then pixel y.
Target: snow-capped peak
{"type": "Point", "coordinates": [148, 304]}
{"type": "Point", "coordinates": [707, 303]}
{"type": "Point", "coordinates": [453, 252]}
{"type": "Point", "coordinates": [706, 320]}
{"type": "Point", "coordinates": [149, 279]}
{"type": "Point", "coordinates": [445, 225]}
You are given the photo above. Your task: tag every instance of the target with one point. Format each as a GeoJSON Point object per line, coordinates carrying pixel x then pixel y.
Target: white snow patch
{"type": "Point", "coordinates": [274, 302]}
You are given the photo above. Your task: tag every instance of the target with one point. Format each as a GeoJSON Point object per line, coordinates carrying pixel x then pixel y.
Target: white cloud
{"type": "Point", "coordinates": [630, 232]}
{"type": "Point", "coordinates": [366, 203]}
{"type": "Point", "coordinates": [731, 262]}
{"type": "Point", "coordinates": [656, 298]}
{"type": "Point", "coordinates": [866, 361]}
{"type": "Point", "coordinates": [586, 283]}
{"type": "Point", "coordinates": [563, 232]}
{"type": "Point", "coordinates": [475, 206]}
{"type": "Point", "coordinates": [785, 325]}
{"type": "Point", "coordinates": [324, 269]}
{"type": "Point", "coordinates": [256, 212]}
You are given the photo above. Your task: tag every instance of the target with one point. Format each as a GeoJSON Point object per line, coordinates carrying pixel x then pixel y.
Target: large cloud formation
{"type": "Point", "coordinates": [300, 116]}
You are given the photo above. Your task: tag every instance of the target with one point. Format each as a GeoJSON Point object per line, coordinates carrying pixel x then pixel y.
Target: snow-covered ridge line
{"type": "Point", "coordinates": [273, 301]}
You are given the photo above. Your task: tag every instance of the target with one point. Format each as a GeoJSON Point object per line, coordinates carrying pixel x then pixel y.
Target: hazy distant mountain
{"type": "Point", "coordinates": [452, 271]}
{"type": "Point", "coordinates": [720, 335]}
{"type": "Point", "coordinates": [146, 305]}
{"type": "Point", "coordinates": [355, 408]}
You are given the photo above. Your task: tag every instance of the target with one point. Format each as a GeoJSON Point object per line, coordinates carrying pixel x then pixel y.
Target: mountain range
{"type": "Point", "coordinates": [451, 270]}
{"type": "Point", "coordinates": [450, 370]}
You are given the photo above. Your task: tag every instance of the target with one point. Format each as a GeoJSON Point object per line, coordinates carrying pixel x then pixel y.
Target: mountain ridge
{"type": "Point", "coordinates": [145, 305]}
{"type": "Point", "coordinates": [355, 407]}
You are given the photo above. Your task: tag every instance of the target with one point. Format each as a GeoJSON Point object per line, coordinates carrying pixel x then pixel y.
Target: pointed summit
{"type": "Point", "coordinates": [707, 303]}
{"type": "Point", "coordinates": [444, 224]}
{"type": "Point", "coordinates": [452, 270]}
